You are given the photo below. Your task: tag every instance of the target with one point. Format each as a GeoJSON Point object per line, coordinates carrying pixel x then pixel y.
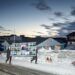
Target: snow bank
{"type": "Point", "coordinates": [59, 65]}
{"type": "Point", "coordinates": [55, 68]}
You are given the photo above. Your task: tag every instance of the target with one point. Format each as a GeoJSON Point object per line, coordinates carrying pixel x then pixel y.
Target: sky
{"type": "Point", "coordinates": [37, 17]}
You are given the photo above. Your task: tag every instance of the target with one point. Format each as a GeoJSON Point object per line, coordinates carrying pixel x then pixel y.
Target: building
{"type": "Point", "coordinates": [71, 38]}
{"type": "Point", "coordinates": [14, 38]}
{"type": "Point", "coordinates": [53, 43]}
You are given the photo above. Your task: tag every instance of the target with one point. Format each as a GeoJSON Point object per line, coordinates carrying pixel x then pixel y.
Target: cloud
{"type": "Point", "coordinates": [72, 26]}
{"type": "Point", "coordinates": [73, 7]}
{"type": "Point", "coordinates": [58, 14]}
{"type": "Point", "coordinates": [1, 27]}
{"type": "Point", "coordinates": [41, 5]}
{"type": "Point", "coordinates": [62, 16]}
{"type": "Point", "coordinates": [61, 25]}
{"type": "Point", "coordinates": [63, 32]}
{"type": "Point", "coordinates": [46, 26]}
{"type": "Point", "coordinates": [72, 23]}
{"type": "Point", "coordinates": [52, 33]}
{"type": "Point", "coordinates": [38, 32]}
{"type": "Point", "coordinates": [56, 28]}
{"type": "Point", "coordinates": [60, 28]}
{"type": "Point", "coordinates": [57, 24]}
{"type": "Point", "coordinates": [73, 12]}
{"type": "Point", "coordinates": [7, 30]}
{"type": "Point", "coordinates": [67, 28]}
{"type": "Point", "coordinates": [63, 28]}
{"type": "Point", "coordinates": [52, 19]}
{"type": "Point", "coordinates": [66, 19]}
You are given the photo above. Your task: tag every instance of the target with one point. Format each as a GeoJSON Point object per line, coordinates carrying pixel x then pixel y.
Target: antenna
{"type": "Point", "coordinates": [14, 37]}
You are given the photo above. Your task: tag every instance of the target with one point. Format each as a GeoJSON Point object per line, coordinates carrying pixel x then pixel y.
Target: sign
{"type": "Point", "coordinates": [23, 52]}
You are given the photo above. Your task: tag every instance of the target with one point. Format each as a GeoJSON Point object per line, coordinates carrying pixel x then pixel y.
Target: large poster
{"type": "Point", "coordinates": [25, 51]}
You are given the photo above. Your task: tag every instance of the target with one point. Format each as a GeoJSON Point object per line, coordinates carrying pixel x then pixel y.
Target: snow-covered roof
{"type": "Point", "coordinates": [49, 42]}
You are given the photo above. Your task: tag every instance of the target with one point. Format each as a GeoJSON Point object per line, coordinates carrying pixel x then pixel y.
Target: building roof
{"type": "Point", "coordinates": [49, 42]}
{"type": "Point", "coordinates": [52, 42]}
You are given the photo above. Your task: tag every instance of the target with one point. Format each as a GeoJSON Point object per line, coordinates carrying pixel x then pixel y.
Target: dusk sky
{"type": "Point", "coordinates": [37, 17]}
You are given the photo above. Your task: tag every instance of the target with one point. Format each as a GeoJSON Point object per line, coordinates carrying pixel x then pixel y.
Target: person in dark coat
{"type": "Point", "coordinates": [8, 56]}
{"type": "Point", "coordinates": [34, 58]}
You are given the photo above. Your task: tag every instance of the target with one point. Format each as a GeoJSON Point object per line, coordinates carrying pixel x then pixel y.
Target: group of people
{"type": "Point", "coordinates": [9, 57]}
{"type": "Point", "coordinates": [34, 58]}
{"type": "Point", "coordinates": [49, 59]}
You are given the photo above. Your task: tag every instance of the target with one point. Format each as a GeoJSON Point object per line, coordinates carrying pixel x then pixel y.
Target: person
{"type": "Point", "coordinates": [34, 58]}
{"type": "Point", "coordinates": [49, 59]}
{"type": "Point", "coordinates": [8, 56]}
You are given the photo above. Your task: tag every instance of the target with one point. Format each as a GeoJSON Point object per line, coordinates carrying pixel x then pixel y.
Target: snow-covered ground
{"type": "Point", "coordinates": [60, 64]}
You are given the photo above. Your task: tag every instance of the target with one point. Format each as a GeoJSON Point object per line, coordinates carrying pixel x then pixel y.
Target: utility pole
{"type": "Point", "coordinates": [14, 38]}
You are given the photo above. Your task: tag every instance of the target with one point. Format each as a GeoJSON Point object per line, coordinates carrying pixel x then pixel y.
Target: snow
{"type": "Point", "coordinates": [60, 64]}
